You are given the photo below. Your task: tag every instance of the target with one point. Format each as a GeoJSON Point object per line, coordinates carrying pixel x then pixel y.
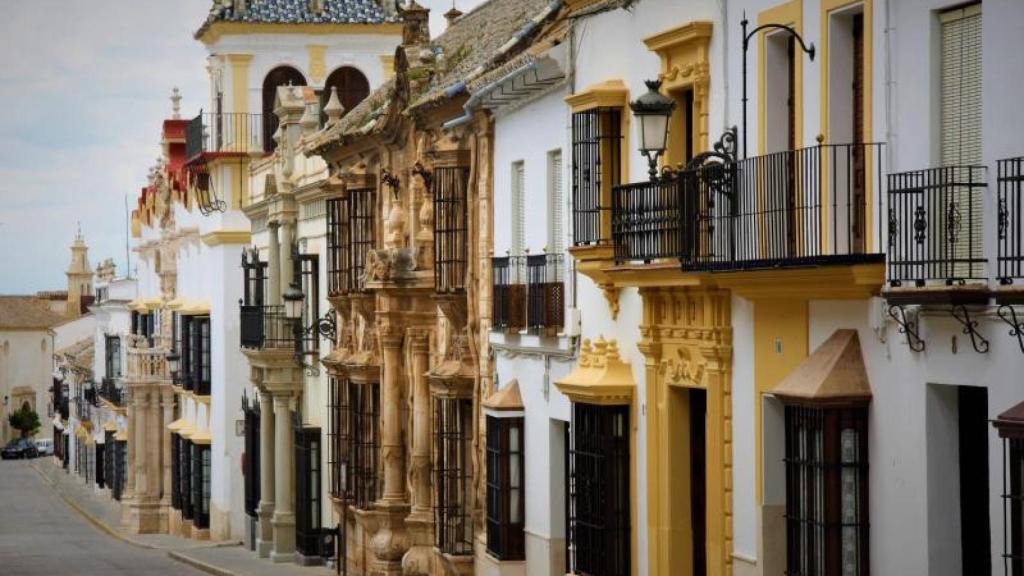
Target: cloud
{"type": "Point", "coordinates": [84, 85]}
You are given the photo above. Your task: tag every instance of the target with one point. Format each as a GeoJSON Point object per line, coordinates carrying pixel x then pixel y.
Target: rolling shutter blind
{"type": "Point", "coordinates": [961, 86]}
{"type": "Point", "coordinates": [556, 200]}
{"type": "Point", "coordinates": [961, 119]}
{"type": "Point", "coordinates": [518, 209]}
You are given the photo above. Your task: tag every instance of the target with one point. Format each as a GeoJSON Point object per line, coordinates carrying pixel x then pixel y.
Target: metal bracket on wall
{"type": "Point", "coordinates": [907, 326]}
{"type": "Point", "coordinates": [1009, 315]}
{"type": "Point", "coordinates": [963, 316]}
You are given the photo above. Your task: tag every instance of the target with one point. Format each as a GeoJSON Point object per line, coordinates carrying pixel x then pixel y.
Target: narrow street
{"type": "Point", "coordinates": [40, 534]}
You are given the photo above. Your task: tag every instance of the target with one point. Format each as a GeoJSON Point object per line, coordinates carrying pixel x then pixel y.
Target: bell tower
{"type": "Point", "coordinates": [79, 275]}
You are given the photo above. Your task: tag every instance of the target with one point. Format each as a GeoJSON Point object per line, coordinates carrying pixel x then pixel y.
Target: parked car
{"type": "Point", "coordinates": [19, 448]}
{"type": "Point", "coordinates": [44, 446]}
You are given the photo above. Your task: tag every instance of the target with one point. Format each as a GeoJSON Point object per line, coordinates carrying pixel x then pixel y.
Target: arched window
{"type": "Point", "coordinates": [280, 76]}
{"type": "Point", "coordinates": [352, 87]}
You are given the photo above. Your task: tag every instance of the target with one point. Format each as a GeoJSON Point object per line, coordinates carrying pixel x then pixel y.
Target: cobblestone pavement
{"type": "Point", "coordinates": [40, 534]}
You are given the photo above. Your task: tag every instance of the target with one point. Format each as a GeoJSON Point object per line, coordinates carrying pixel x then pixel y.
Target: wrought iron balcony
{"type": "Point", "coordinates": [508, 307]}
{"type": "Point", "coordinates": [91, 396]}
{"type": "Point", "coordinates": [1010, 240]}
{"type": "Point", "coordinates": [111, 392]}
{"type": "Point", "coordinates": [267, 327]}
{"type": "Point", "coordinates": [811, 206]}
{"type": "Point", "coordinates": [545, 292]}
{"type": "Point", "coordinates": [225, 133]}
{"type": "Point", "coordinates": [936, 226]}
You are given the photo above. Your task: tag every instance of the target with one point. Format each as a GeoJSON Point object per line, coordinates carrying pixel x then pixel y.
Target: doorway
{"type": "Point", "coordinates": [698, 478]}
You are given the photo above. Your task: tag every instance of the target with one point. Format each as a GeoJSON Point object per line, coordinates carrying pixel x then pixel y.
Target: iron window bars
{"type": "Point", "coordinates": [350, 224]}
{"type": "Point", "coordinates": [826, 491]}
{"type": "Point", "coordinates": [101, 467]}
{"type": "Point", "coordinates": [199, 350]}
{"type": "Point", "coordinates": [224, 133]}
{"type": "Point", "coordinates": [311, 538]}
{"type": "Point", "coordinates": [505, 484]}
{"type": "Point", "coordinates": [201, 184]}
{"type": "Point", "coordinates": [453, 434]}
{"type": "Point", "coordinates": [598, 488]}
{"type": "Point", "coordinates": [144, 325]}
{"type": "Point", "coordinates": [188, 501]}
{"type": "Point", "coordinates": [307, 272]}
{"type": "Point", "coordinates": [251, 462]}
{"type": "Point", "coordinates": [936, 225]}
{"type": "Point", "coordinates": [545, 292]}
{"type": "Point", "coordinates": [451, 225]}
{"type": "Point", "coordinates": [508, 310]}
{"type": "Point", "coordinates": [120, 469]}
{"type": "Point", "coordinates": [109, 459]}
{"type": "Point", "coordinates": [596, 165]}
{"type": "Point", "coordinates": [254, 297]}
{"type": "Point", "coordinates": [1012, 435]}
{"type": "Point", "coordinates": [354, 435]}
{"type": "Point", "coordinates": [175, 471]}
{"type": "Point", "coordinates": [112, 351]}
{"type": "Point", "coordinates": [112, 392]}
{"type": "Point", "coordinates": [1010, 219]}
{"type": "Point", "coordinates": [200, 485]}
{"type": "Point", "coordinates": [265, 325]}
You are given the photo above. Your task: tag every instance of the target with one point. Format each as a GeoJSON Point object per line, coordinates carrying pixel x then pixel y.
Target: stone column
{"type": "Point", "coordinates": [391, 541]}
{"type": "Point", "coordinates": [167, 403]}
{"type": "Point", "coordinates": [420, 522]}
{"type": "Point", "coordinates": [274, 265]}
{"type": "Point", "coordinates": [141, 422]}
{"type": "Point", "coordinates": [287, 270]}
{"type": "Point", "coordinates": [283, 520]}
{"type": "Point", "coordinates": [154, 456]}
{"type": "Point", "coordinates": [129, 471]}
{"type": "Point", "coordinates": [265, 533]}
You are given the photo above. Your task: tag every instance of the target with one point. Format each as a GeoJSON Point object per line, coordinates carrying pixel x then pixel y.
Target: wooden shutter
{"type": "Point", "coordinates": [518, 209]}
{"type": "Point", "coordinates": [556, 200]}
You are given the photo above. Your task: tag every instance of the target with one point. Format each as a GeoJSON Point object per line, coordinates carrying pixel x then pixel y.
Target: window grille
{"type": "Point", "coordinates": [338, 245]}
{"type": "Point", "coordinates": [598, 471]}
{"type": "Point", "coordinates": [364, 444]}
{"type": "Point", "coordinates": [109, 459]}
{"type": "Point", "coordinates": [251, 467]}
{"type": "Point", "coordinates": [1013, 500]}
{"type": "Point", "coordinates": [120, 468]}
{"type": "Point", "coordinates": [175, 471]}
{"type": "Point", "coordinates": [101, 479]}
{"type": "Point", "coordinates": [200, 486]}
{"type": "Point", "coordinates": [451, 223]}
{"type": "Point", "coordinates": [518, 208]}
{"type": "Point", "coordinates": [826, 491]}
{"type": "Point", "coordinates": [188, 500]}
{"type": "Point", "coordinates": [350, 223]}
{"type": "Point", "coordinates": [200, 352]}
{"type": "Point", "coordinates": [337, 436]}
{"type": "Point", "coordinates": [508, 301]}
{"type": "Point", "coordinates": [505, 483]}
{"type": "Point", "coordinates": [453, 434]}
{"type": "Point", "coordinates": [596, 168]}
{"type": "Point", "coordinates": [1010, 218]}
{"type": "Point", "coordinates": [113, 356]}
{"type": "Point", "coordinates": [307, 272]}
{"type": "Point", "coordinates": [184, 350]}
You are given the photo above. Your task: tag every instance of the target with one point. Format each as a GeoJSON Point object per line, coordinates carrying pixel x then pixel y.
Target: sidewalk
{"type": "Point", "coordinates": [218, 558]}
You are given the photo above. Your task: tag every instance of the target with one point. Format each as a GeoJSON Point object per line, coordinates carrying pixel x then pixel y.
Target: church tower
{"type": "Point", "coordinates": [79, 275]}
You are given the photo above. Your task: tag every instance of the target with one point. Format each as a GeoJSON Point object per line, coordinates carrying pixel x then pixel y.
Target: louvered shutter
{"type": "Point", "coordinates": [518, 209]}
{"type": "Point", "coordinates": [556, 200]}
{"type": "Point", "coordinates": [961, 122]}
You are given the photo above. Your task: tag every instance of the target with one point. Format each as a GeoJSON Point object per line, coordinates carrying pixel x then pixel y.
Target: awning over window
{"type": "Point", "coordinates": [202, 437]}
{"type": "Point", "coordinates": [176, 425]}
{"type": "Point", "coordinates": [600, 377]}
{"type": "Point", "coordinates": [505, 402]}
{"type": "Point", "coordinates": [833, 375]}
{"type": "Point", "coordinates": [1010, 424]}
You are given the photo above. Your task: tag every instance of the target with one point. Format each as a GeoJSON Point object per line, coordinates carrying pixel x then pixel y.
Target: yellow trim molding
{"type": "Point", "coordinates": [121, 436]}
{"type": "Point", "coordinates": [317, 65]}
{"type": "Point", "coordinates": [239, 82]}
{"type": "Point", "coordinates": [854, 282]}
{"type": "Point", "coordinates": [867, 7]}
{"type": "Point", "coordinates": [387, 65]}
{"type": "Point", "coordinates": [202, 438]}
{"type": "Point", "coordinates": [685, 66]}
{"type": "Point", "coordinates": [607, 94]}
{"type": "Point", "coordinates": [791, 14]}
{"type": "Point", "coordinates": [600, 377]}
{"type": "Point", "coordinates": [176, 425]}
{"type": "Point", "coordinates": [227, 237]}
{"type": "Point", "coordinates": [215, 31]}
{"type": "Point", "coordinates": [686, 340]}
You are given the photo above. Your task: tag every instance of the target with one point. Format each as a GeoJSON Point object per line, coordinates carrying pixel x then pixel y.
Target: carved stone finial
{"type": "Point", "coordinates": [334, 109]}
{"type": "Point", "coordinates": [309, 120]}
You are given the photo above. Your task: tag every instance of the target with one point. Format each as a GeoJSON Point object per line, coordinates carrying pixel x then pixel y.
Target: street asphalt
{"type": "Point", "coordinates": [40, 534]}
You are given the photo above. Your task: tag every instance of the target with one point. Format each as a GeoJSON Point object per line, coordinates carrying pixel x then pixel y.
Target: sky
{"type": "Point", "coordinates": [84, 87]}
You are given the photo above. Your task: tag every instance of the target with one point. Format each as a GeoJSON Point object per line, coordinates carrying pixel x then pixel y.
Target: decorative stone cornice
{"type": "Point", "coordinates": [601, 376]}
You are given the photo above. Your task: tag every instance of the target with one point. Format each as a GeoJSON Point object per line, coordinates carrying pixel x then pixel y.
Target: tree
{"type": "Point", "coordinates": [26, 420]}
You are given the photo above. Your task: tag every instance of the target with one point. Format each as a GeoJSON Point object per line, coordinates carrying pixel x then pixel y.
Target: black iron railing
{"type": "Point", "coordinates": [451, 224]}
{"type": "Point", "coordinates": [645, 220]}
{"type": "Point", "coordinates": [1010, 218]}
{"type": "Point", "coordinates": [816, 205]}
{"type": "Point", "coordinates": [596, 155]}
{"type": "Point", "coordinates": [508, 307]}
{"type": "Point", "coordinates": [225, 133]}
{"type": "Point", "coordinates": [453, 476]}
{"type": "Point", "coordinates": [266, 327]}
{"type": "Point", "coordinates": [545, 292]}
{"type": "Point", "coordinates": [936, 225]}
{"type": "Point", "coordinates": [111, 392]}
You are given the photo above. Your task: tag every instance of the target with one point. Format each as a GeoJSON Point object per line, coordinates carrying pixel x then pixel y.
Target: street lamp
{"type": "Point", "coordinates": [653, 111]}
{"type": "Point", "coordinates": [173, 364]}
{"type": "Point", "coordinates": [807, 49]}
{"type": "Point", "coordinates": [293, 297]}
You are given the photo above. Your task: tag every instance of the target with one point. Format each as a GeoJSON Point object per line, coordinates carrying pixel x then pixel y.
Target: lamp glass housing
{"type": "Point", "coordinates": [653, 132]}
{"type": "Point", "coordinates": [173, 362]}
{"type": "Point", "coordinates": [293, 302]}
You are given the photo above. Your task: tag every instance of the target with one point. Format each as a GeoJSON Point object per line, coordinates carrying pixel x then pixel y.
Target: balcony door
{"type": "Point", "coordinates": [847, 124]}
{"type": "Point", "coordinates": [780, 193]}
{"type": "Point", "coordinates": [698, 478]}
